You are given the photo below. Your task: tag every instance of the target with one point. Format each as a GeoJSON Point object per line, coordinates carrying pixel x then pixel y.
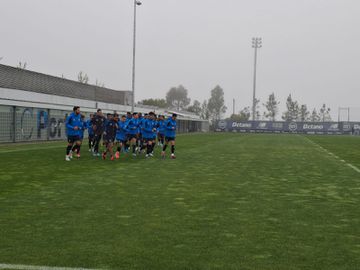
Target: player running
{"type": "Point", "coordinates": [90, 131]}
{"type": "Point", "coordinates": [76, 148]}
{"type": "Point", "coordinates": [161, 130]}
{"type": "Point", "coordinates": [98, 124]}
{"type": "Point", "coordinates": [148, 133]}
{"type": "Point", "coordinates": [132, 127]}
{"type": "Point", "coordinates": [109, 135]}
{"type": "Point", "coordinates": [73, 125]}
{"type": "Point", "coordinates": [121, 135]}
{"type": "Point", "coordinates": [170, 134]}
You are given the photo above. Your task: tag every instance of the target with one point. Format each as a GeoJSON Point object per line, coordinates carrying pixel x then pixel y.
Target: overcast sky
{"type": "Point", "coordinates": [311, 48]}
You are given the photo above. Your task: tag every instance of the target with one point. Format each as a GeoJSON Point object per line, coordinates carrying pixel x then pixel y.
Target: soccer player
{"type": "Point", "coordinates": [155, 129]}
{"type": "Point", "coordinates": [121, 135]}
{"type": "Point", "coordinates": [90, 131]}
{"type": "Point", "coordinates": [109, 135]}
{"type": "Point", "coordinates": [132, 127]}
{"type": "Point", "coordinates": [127, 144]}
{"type": "Point", "coordinates": [170, 134]}
{"type": "Point", "coordinates": [148, 130]}
{"type": "Point", "coordinates": [139, 143]}
{"type": "Point", "coordinates": [98, 124]}
{"type": "Point", "coordinates": [73, 124]}
{"type": "Point", "coordinates": [76, 148]}
{"type": "Point", "coordinates": [161, 130]}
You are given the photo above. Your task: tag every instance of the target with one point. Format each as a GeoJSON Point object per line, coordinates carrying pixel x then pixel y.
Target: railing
{"type": "Point", "coordinates": [22, 124]}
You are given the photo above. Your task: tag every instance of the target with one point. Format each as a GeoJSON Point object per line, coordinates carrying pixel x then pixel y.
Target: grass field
{"type": "Point", "coordinates": [228, 201]}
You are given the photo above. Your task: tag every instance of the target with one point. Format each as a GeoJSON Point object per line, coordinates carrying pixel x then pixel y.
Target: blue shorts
{"type": "Point", "coordinates": [169, 139]}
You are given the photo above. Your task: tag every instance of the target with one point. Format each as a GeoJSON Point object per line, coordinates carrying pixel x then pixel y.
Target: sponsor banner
{"type": "Point", "coordinates": [290, 127]}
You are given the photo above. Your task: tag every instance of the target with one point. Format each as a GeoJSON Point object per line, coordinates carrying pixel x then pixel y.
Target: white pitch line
{"type": "Point", "coordinates": [333, 155]}
{"type": "Point", "coordinates": [354, 167]}
{"type": "Point", "coordinates": [33, 267]}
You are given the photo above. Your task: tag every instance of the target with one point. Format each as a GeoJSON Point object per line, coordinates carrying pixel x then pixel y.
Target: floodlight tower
{"type": "Point", "coordinates": [256, 44]}
{"type": "Point", "coordinates": [136, 3]}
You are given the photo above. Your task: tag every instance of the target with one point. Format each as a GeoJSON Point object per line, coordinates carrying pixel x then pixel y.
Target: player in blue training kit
{"type": "Point", "coordinates": [132, 127]}
{"type": "Point", "coordinates": [170, 135]}
{"type": "Point", "coordinates": [148, 133]}
{"type": "Point", "coordinates": [139, 142]}
{"type": "Point", "coordinates": [110, 134]}
{"type": "Point", "coordinates": [155, 129]}
{"type": "Point", "coordinates": [90, 131]}
{"type": "Point", "coordinates": [127, 144]}
{"type": "Point", "coordinates": [161, 130]}
{"type": "Point", "coordinates": [121, 135]}
{"type": "Point", "coordinates": [76, 148]}
{"type": "Point", "coordinates": [73, 125]}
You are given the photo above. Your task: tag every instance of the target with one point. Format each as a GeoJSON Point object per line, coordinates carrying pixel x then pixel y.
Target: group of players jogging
{"type": "Point", "coordinates": [132, 132]}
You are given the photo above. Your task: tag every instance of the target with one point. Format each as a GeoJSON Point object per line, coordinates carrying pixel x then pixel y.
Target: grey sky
{"type": "Point", "coordinates": [310, 47]}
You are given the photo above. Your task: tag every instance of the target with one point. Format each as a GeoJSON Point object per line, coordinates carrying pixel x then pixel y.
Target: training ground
{"type": "Point", "coordinates": [229, 201]}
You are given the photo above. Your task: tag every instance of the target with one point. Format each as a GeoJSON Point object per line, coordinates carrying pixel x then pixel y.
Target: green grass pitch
{"type": "Point", "coordinates": [229, 201]}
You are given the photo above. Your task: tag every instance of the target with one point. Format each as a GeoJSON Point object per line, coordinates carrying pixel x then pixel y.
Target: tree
{"type": "Point", "coordinates": [216, 103]}
{"type": "Point", "coordinates": [22, 65]}
{"type": "Point", "coordinates": [177, 97]}
{"type": "Point", "coordinates": [304, 113]}
{"type": "Point", "coordinates": [205, 114]}
{"type": "Point", "coordinates": [314, 116]}
{"type": "Point", "coordinates": [83, 77]}
{"type": "Point", "coordinates": [157, 102]}
{"type": "Point", "coordinates": [244, 115]}
{"type": "Point", "coordinates": [195, 107]}
{"type": "Point", "coordinates": [324, 114]}
{"type": "Point", "coordinates": [292, 112]}
{"type": "Point", "coordinates": [271, 106]}
{"type": "Point", "coordinates": [99, 84]}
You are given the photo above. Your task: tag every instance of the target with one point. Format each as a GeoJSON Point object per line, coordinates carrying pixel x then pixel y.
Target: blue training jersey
{"type": "Point", "coordinates": [132, 126]}
{"type": "Point", "coordinates": [161, 127]}
{"type": "Point", "coordinates": [121, 131]}
{"type": "Point", "coordinates": [147, 129]}
{"type": "Point", "coordinates": [72, 121]}
{"type": "Point", "coordinates": [89, 127]}
{"type": "Point", "coordinates": [170, 128]}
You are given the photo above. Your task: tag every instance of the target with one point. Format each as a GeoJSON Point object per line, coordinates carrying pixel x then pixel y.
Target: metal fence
{"type": "Point", "coordinates": [21, 124]}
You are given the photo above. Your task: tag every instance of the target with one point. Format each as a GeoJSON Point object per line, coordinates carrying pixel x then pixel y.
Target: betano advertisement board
{"type": "Point", "coordinates": [290, 127]}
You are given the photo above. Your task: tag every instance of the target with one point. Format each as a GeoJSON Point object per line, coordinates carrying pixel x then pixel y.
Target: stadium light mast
{"type": "Point", "coordinates": [136, 3]}
{"type": "Point", "coordinates": [256, 44]}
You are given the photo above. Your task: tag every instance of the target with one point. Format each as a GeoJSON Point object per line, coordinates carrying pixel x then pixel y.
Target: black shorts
{"type": "Point", "coordinates": [91, 136]}
{"type": "Point", "coordinates": [132, 136]}
{"type": "Point", "coordinates": [123, 142]}
{"type": "Point", "coordinates": [146, 140]}
{"type": "Point", "coordinates": [108, 139]}
{"type": "Point", "coordinates": [72, 139]}
{"type": "Point", "coordinates": [169, 139]}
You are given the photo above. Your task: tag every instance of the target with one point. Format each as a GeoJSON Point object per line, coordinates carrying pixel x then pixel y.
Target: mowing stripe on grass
{"type": "Point", "coordinates": [31, 149]}
{"type": "Point", "coordinates": [58, 146]}
{"type": "Point", "coordinates": [33, 267]}
{"type": "Point", "coordinates": [333, 155]}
